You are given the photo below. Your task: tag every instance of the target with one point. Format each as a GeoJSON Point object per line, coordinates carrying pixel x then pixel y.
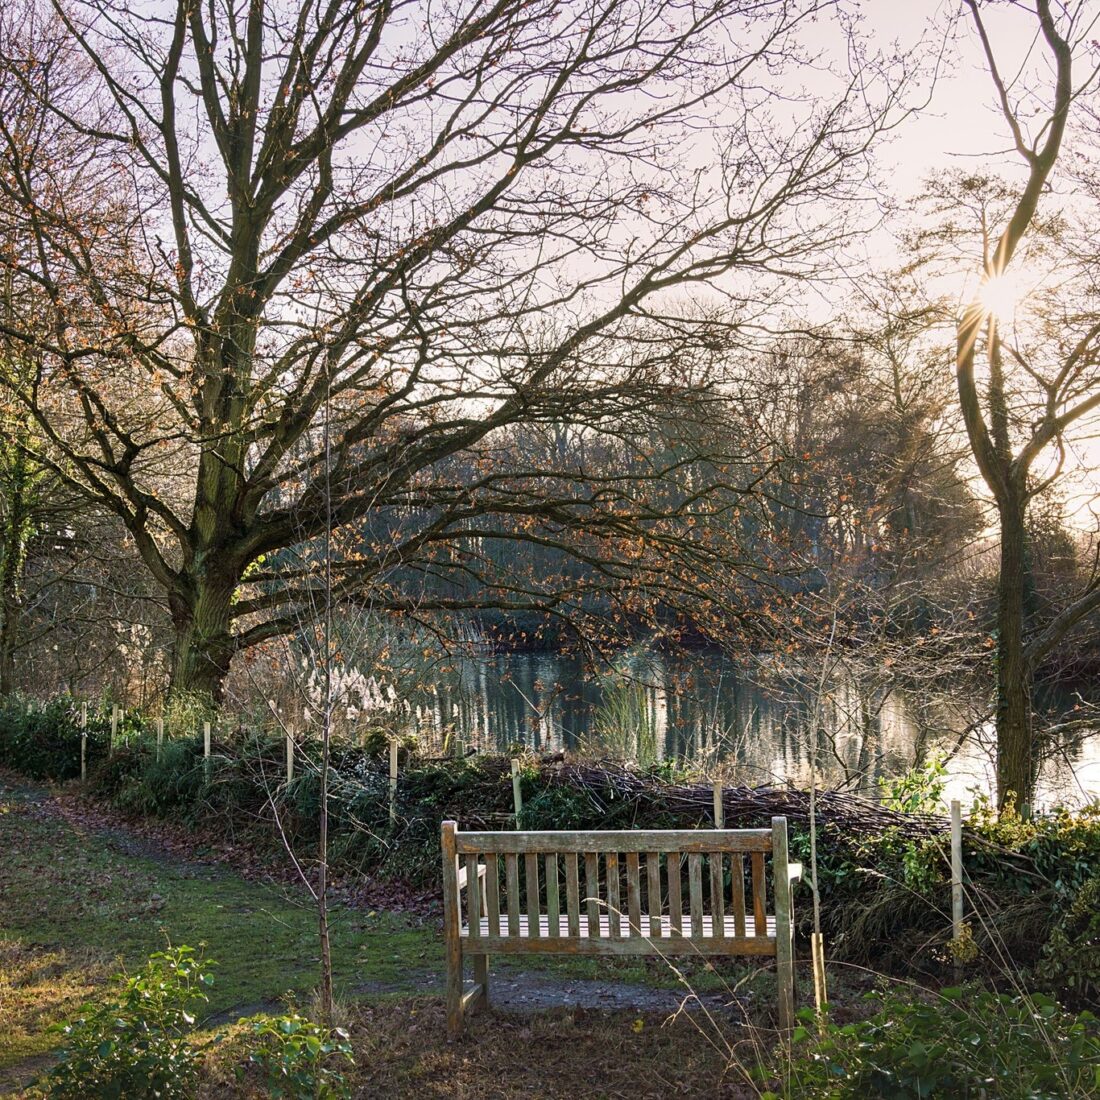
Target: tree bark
{"type": "Point", "coordinates": [1005, 470]}
{"type": "Point", "coordinates": [13, 558]}
{"type": "Point", "coordinates": [1017, 766]}
{"type": "Point", "coordinates": [203, 645]}
{"type": "Point", "coordinates": [11, 607]}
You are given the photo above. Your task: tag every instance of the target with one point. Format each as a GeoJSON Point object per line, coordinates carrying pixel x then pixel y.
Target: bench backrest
{"type": "Point", "coordinates": [691, 879]}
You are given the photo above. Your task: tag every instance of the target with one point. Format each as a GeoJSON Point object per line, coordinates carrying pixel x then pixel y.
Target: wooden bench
{"type": "Point", "coordinates": [632, 902]}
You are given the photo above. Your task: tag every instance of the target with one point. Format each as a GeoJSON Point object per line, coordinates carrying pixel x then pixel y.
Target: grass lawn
{"type": "Point", "coordinates": [74, 909]}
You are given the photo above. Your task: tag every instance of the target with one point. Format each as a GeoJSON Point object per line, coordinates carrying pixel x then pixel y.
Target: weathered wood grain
{"type": "Point", "coordinates": [620, 841]}
{"type": "Point", "coordinates": [492, 893]}
{"type": "Point", "coordinates": [784, 921]}
{"type": "Point", "coordinates": [717, 886]}
{"type": "Point", "coordinates": [452, 929]}
{"type": "Point", "coordinates": [473, 897]}
{"type": "Point", "coordinates": [759, 885]}
{"type": "Point", "coordinates": [553, 911]}
{"type": "Point", "coordinates": [592, 886]}
{"type": "Point", "coordinates": [531, 884]}
{"type": "Point", "coordinates": [695, 892]}
{"type": "Point", "coordinates": [675, 902]}
{"type": "Point", "coordinates": [572, 894]}
{"type": "Point", "coordinates": [611, 870]}
{"type": "Point", "coordinates": [653, 891]}
{"type": "Point", "coordinates": [634, 895]}
{"type": "Point", "coordinates": [511, 890]}
{"type": "Point", "coordinates": [737, 875]}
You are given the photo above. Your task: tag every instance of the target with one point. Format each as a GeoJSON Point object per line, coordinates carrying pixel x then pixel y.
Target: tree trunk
{"type": "Point", "coordinates": [203, 645]}
{"type": "Point", "coordinates": [202, 601]}
{"type": "Point", "coordinates": [10, 615]}
{"type": "Point", "coordinates": [1017, 766]}
{"type": "Point", "coordinates": [13, 559]}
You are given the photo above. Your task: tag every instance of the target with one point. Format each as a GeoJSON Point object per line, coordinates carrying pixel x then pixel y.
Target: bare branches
{"type": "Point", "coordinates": [452, 220]}
{"type": "Point", "coordinates": [1029, 409]}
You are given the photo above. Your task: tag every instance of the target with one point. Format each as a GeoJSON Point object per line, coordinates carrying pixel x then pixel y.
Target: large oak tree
{"type": "Point", "coordinates": [422, 223]}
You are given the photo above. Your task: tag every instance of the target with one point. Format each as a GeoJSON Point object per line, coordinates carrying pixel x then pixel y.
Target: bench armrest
{"type": "Point", "coordinates": [462, 875]}
{"type": "Point", "coordinates": [794, 872]}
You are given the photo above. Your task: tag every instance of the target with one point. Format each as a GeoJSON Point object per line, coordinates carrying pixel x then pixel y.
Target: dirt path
{"type": "Point", "coordinates": [535, 990]}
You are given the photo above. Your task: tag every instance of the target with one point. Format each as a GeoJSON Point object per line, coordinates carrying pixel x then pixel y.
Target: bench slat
{"type": "Point", "coordinates": [675, 902]}
{"type": "Point", "coordinates": [737, 873]}
{"type": "Point", "coordinates": [619, 841]}
{"type": "Point", "coordinates": [634, 894]}
{"type": "Point", "coordinates": [553, 911]}
{"type": "Point", "coordinates": [636, 945]}
{"type": "Point", "coordinates": [602, 942]}
{"type": "Point", "coordinates": [611, 867]}
{"type": "Point", "coordinates": [759, 920]}
{"type": "Point", "coordinates": [695, 892]}
{"type": "Point", "coordinates": [572, 894]}
{"type": "Point", "coordinates": [592, 887]}
{"type": "Point", "coordinates": [664, 932]}
{"type": "Point", "coordinates": [511, 886]}
{"type": "Point", "coordinates": [473, 896]}
{"type": "Point", "coordinates": [717, 887]}
{"type": "Point", "coordinates": [531, 882]}
{"type": "Point", "coordinates": [492, 893]}
{"type": "Point", "coordinates": [653, 891]}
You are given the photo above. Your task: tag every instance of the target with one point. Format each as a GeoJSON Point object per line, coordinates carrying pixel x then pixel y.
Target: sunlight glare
{"type": "Point", "coordinates": [1001, 295]}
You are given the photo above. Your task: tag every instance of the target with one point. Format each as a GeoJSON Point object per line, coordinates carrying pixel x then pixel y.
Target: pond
{"type": "Point", "coordinates": [754, 723]}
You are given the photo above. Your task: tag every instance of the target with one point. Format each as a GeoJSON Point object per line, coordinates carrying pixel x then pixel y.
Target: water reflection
{"type": "Point", "coordinates": [704, 709]}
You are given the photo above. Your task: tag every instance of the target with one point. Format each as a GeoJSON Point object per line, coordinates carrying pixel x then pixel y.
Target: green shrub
{"type": "Point", "coordinates": [136, 1046]}
{"type": "Point", "coordinates": [962, 1043]}
{"type": "Point", "coordinates": [161, 785]}
{"type": "Point", "coordinates": [294, 1054]}
{"type": "Point", "coordinates": [919, 790]}
{"type": "Point", "coordinates": [42, 739]}
{"type": "Point", "coordinates": [1070, 959]}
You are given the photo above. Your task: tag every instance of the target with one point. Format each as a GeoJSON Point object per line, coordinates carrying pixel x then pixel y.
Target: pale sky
{"type": "Point", "coordinates": [962, 124]}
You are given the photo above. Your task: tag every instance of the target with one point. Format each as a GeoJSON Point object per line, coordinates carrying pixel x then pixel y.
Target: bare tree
{"type": "Point", "coordinates": [1039, 387]}
{"type": "Point", "coordinates": [459, 214]}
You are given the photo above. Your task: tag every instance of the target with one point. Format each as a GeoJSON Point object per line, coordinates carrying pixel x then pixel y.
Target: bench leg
{"type": "Point", "coordinates": [481, 977]}
{"type": "Point", "coordinates": [785, 974]}
{"type": "Point", "coordinates": [452, 931]}
{"type": "Point", "coordinates": [784, 924]}
{"type": "Point", "coordinates": [455, 1022]}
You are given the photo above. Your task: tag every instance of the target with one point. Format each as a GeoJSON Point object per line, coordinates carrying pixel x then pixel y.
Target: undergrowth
{"type": "Point", "coordinates": [1032, 886]}
{"type": "Point", "coordinates": [958, 1044]}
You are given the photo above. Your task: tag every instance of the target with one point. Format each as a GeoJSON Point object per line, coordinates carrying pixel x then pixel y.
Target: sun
{"type": "Point", "coordinates": [1000, 296]}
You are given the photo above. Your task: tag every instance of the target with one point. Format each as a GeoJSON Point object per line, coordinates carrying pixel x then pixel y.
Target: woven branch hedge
{"type": "Point", "coordinates": [741, 806]}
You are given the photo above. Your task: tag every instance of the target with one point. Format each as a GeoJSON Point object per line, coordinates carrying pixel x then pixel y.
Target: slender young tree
{"type": "Point", "coordinates": [1033, 394]}
{"type": "Point", "coordinates": [465, 216]}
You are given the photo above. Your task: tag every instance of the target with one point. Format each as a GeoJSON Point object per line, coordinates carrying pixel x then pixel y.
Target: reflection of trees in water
{"type": "Point", "coordinates": [700, 707]}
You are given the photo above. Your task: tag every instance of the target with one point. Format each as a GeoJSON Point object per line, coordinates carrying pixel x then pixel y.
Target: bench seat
{"type": "Point", "coordinates": [667, 941]}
